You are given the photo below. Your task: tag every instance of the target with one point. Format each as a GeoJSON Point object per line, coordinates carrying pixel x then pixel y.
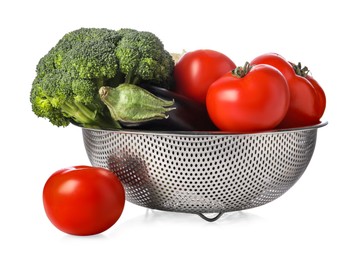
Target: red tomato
{"type": "Point", "coordinates": [320, 93]}
{"type": "Point", "coordinates": [306, 99]}
{"type": "Point", "coordinates": [251, 99]}
{"type": "Point", "coordinates": [197, 70]}
{"type": "Point", "coordinates": [83, 200]}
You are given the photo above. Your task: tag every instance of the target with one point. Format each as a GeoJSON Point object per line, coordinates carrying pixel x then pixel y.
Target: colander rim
{"type": "Point", "coordinates": [205, 133]}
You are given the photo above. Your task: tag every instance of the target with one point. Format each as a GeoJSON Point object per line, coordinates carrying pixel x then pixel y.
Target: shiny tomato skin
{"type": "Point", "coordinates": [277, 61]}
{"type": "Point", "coordinates": [256, 102]}
{"type": "Point", "coordinates": [83, 200]}
{"type": "Point", "coordinates": [304, 104]}
{"type": "Point", "coordinates": [197, 70]}
{"type": "Point", "coordinates": [321, 95]}
{"type": "Point", "coordinates": [307, 101]}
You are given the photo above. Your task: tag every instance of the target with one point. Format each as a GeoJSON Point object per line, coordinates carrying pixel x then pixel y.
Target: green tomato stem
{"type": "Point", "coordinates": [242, 71]}
{"type": "Point", "coordinates": [299, 70]}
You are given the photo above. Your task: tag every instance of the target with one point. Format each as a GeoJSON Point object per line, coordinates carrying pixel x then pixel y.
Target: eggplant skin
{"type": "Point", "coordinates": [188, 115]}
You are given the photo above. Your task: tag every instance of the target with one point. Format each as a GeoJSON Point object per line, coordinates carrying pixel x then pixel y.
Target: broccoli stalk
{"type": "Point", "coordinates": [79, 112]}
{"type": "Point", "coordinates": [86, 117]}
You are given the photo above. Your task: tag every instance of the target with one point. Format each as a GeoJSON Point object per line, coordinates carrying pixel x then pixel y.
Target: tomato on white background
{"type": "Point", "coordinates": [83, 200]}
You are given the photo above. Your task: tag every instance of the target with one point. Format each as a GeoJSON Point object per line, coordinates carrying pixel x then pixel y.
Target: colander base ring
{"type": "Point", "coordinates": [210, 219]}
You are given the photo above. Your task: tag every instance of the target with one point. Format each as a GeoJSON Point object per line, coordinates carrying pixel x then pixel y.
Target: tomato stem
{"type": "Point", "coordinates": [303, 72]}
{"type": "Point", "coordinates": [241, 71]}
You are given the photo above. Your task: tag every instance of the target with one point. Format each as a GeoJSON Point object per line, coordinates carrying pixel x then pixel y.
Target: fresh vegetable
{"type": "Point", "coordinates": [69, 76]}
{"type": "Point", "coordinates": [197, 70]}
{"type": "Point", "coordinates": [142, 58]}
{"type": "Point", "coordinates": [130, 104]}
{"type": "Point", "coordinates": [248, 99]}
{"type": "Point", "coordinates": [83, 200]}
{"type": "Point", "coordinates": [166, 110]}
{"type": "Point", "coordinates": [188, 115]}
{"type": "Point", "coordinates": [320, 92]}
{"type": "Point", "coordinates": [185, 114]}
{"type": "Point", "coordinates": [307, 99]}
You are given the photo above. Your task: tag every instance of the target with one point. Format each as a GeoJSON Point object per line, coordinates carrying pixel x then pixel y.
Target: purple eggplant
{"type": "Point", "coordinates": [156, 109]}
{"type": "Point", "coordinates": [187, 114]}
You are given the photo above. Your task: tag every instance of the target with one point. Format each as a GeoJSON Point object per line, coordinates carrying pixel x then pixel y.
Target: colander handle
{"type": "Point", "coordinates": [202, 215]}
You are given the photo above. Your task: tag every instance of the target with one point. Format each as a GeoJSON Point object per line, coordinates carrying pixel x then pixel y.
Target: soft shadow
{"type": "Point", "coordinates": [68, 237]}
{"type": "Point", "coordinates": [157, 216]}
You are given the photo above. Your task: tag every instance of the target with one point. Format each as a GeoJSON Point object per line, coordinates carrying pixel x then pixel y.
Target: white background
{"type": "Point", "coordinates": [318, 218]}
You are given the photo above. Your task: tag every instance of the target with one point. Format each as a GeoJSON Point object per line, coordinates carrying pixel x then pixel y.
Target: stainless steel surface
{"type": "Point", "coordinates": [198, 172]}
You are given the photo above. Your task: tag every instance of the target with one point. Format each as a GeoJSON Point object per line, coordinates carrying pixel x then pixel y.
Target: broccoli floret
{"type": "Point", "coordinates": [44, 102]}
{"type": "Point", "coordinates": [122, 32]}
{"type": "Point", "coordinates": [63, 99]}
{"type": "Point", "coordinates": [86, 45]}
{"type": "Point", "coordinates": [143, 58]}
{"type": "Point", "coordinates": [83, 35]}
{"type": "Point", "coordinates": [91, 59]}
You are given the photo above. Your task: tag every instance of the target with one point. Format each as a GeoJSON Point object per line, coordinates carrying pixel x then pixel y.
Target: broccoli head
{"type": "Point", "coordinates": [68, 78]}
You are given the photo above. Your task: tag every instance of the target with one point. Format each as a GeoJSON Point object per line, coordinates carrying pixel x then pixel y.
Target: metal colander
{"type": "Point", "coordinates": [198, 172]}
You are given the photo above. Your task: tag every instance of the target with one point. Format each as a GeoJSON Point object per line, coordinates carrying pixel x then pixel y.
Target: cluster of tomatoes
{"type": "Point", "coordinates": [269, 92]}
